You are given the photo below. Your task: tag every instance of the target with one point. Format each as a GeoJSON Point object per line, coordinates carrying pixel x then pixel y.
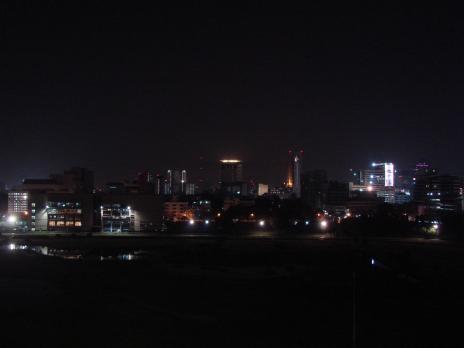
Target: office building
{"type": "Point", "coordinates": [378, 178]}
{"type": "Point", "coordinates": [176, 211]}
{"type": "Point", "coordinates": [73, 212]}
{"type": "Point", "coordinates": [231, 181]}
{"type": "Point", "coordinates": [191, 189]}
{"type": "Point", "coordinates": [439, 193]}
{"type": "Point", "coordinates": [18, 202]}
{"type": "Point", "coordinates": [116, 217]}
{"type": "Point", "coordinates": [231, 171]}
{"type": "Point", "coordinates": [176, 182]}
{"type": "Point", "coordinates": [146, 181]}
{"type": "Point", "coordinates": [129, 212]}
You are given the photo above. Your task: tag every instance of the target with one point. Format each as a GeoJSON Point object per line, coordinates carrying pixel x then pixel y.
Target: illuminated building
{"type": "Point", "coordinates": [129, 212]}
{"type": "Point", "coordinates": [201, 209]}
{"type": "Point", "coordinates": [116, 218]}
{"type": "Point", "coordinates": [231, 181]}
{"type": "Point", "coordinates": [190, 189]}
{"type": "Point", "coordinates": [263, 189]}
{"type": "Point", "coordinates": [378, 178]}
{"type": "Point", "coordinates": [146, 181]}
{"type": "Point", "coordinates": [176, 182]}
{"type": "Point", "coordinates": [64, 216]}
{"type": "Point", "coordinates": [279, 191]}
{"type": "Point", "coordinates": [439, 193]}
{"type": "Point", "coordinates": [357, 176]}
{"type": "Point", "coordinates": [66, 212]}
{"type": "Point", "coordinates": [18, 202]}
{"type": "Point", "coordinates": [231, 171]}
{"type": "Point", "coordinates": [177, 211]}
{"type": "Point", "coordinates": [160, 185]}
{"type": "Point", "coordinates": [293, 182]}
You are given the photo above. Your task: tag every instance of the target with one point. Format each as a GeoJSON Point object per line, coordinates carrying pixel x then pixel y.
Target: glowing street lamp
{"type": "Point", "coordinates": [262, 223]}
{"type": "Point", "coordinates": [323, 224]}
{"type": "Point", "coordinates": [12, 219]}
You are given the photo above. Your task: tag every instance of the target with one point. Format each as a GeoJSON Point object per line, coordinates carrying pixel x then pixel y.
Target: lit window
{"type": "Point", "coordinates": [69, 223]}
{"type": "Point", "coordinates": [60, 223]}
{"type": "Point", "coordinates": [78, 224]}
{"type": "Point", "coordinates": [51, 223]}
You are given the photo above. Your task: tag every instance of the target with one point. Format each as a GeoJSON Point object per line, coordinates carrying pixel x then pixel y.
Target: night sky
{"type": "Point", "coordinates": [123, 89]}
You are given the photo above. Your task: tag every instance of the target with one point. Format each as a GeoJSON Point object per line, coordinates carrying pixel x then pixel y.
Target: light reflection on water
{"type": "Point", "coordinates": [68, 254]}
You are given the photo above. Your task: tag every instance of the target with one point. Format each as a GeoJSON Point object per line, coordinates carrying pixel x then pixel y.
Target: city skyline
{"type": "Point", "coordinates": [213, 176]}
{"type": "Point", "coordinates": [213, 172]}
{"type": "Point", "coordinates": [231, 174]}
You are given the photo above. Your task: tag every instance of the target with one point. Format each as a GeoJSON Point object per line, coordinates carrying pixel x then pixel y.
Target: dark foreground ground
{"type": "Point", "coordinates": [188, 292]}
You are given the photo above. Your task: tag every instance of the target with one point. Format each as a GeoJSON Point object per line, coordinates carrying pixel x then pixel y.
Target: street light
{"type": "Point", "coordinates": [262, 223]}
{"type": "Point", "coordinates": [12, 219]}
{"type": "Point", "coordinates": [323, 224]}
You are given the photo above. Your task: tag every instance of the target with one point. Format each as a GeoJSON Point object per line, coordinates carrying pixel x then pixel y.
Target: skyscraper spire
{"type": "Point", "coordinates": [293, 182]}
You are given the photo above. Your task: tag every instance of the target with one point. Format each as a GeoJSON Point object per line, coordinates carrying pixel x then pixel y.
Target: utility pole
{"type": "Point", "coordinates": [354, 309]}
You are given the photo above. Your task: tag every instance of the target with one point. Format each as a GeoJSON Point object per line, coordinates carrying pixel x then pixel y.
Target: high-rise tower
{"type": "Point", "coordinates": [297, 175]}
{"type": "Point", "coordinates": [293, 182]}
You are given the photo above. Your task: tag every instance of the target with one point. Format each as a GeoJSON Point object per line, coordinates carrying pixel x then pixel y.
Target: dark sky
{"type": "Point", "coordinates": [122, 89]}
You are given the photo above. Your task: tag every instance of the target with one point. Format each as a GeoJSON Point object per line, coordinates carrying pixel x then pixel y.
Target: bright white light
{"type": "Point", "coordinates": [372, 261]}
{"type": "Point", "coordinates": [435, 227]}
{"type": "Point", "coordinates": [262, 223]}
{"type": "Point", "coordinates": [191, 222]}
{"type": "Point", "coordinates": [12, 246]}
{"type": "Point", "coordinates": [389, 175]}
{"type": "Point", "coordinates": [323, 224]}
{"type": "Point", "coordinates": [129, 208]}
{"type": "Point", "coordinates": [230, 161]}
{"type": "Point", "coordinates": [12, 219]}
{"type": "Point", "coordinates": [306, 222]}
{"type": "Point", "coordinates": [206, 222]}
{"type": "Point", "coordinates": [369, 188]}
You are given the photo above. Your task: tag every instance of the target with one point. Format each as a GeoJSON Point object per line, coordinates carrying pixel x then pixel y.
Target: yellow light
{"type": "Point", "coordinates": [230, 161]}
